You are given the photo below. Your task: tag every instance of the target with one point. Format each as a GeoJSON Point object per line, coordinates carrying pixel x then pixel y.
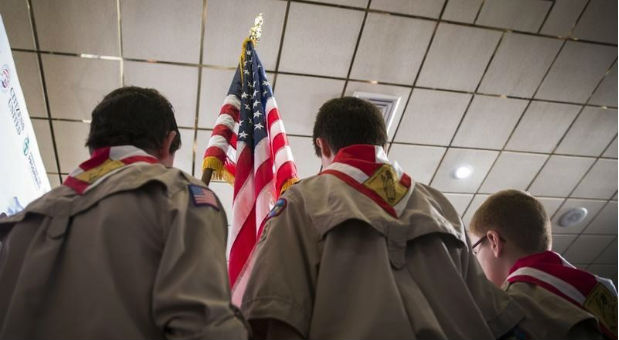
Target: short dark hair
{"type": "Point", "coordinates": [519, 217]}
{"type": "Point", "coordinates": [133, 116]}
{"type": "Point", "coordinates": [347, 121]}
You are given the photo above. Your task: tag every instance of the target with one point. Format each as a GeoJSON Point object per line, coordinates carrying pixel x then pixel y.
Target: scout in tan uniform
{"type": "Point", "coordinates": [361, 251]}
{"type": "Point", "coordinates": [513, 242]}
{"type": "Point", "coordinates": [127, 248]}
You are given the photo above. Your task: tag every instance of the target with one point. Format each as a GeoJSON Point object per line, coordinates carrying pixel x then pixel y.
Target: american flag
{"type": "Point", "coordinates": [248, 147]}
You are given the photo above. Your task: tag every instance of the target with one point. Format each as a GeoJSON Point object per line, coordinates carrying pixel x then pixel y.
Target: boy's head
{"type": "Point", "coordinates": [136, 116]}
{"type": "Point", "coordinates": [347, 121]}
{"type": "Point", "coordinates": [510, 224]}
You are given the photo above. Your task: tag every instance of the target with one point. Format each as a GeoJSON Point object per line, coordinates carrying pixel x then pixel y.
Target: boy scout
{"type": "Point", "coordinates": [513, 242]}
{"type": "Point", "coordinates": [361, 251]}
{"type": "Point", "coordinates": [127, 247]}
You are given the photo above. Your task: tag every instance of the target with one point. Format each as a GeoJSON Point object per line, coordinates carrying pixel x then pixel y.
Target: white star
{"type": "Point", "coordinates": [250, 85]}
{"type": "Point", "coordinates": [247, 107]}
{"type": "Point", "coordinates": [257, 114]}
{"type": "Point", "coordinates": [256, 103]}
{"type": "Point", "coordinates": [265, 92]}
{"type": "Point", "coordinates": [265, 83]}
{"type": "Point", "coordinates": [245, 71]}
{"type": "Point", "coordinates": [255, 93]}
{"type": "Point", "coordinates": [258, 126]}
{"type": "Point", "coordinates": [248, 52]}
{"type": "Point", "coordinates": [243, 134]}
{"type": "Point", "coordinates": [244, 95]}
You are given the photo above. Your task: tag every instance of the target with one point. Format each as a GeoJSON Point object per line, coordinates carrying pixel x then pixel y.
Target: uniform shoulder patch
{"type": "Point", "coordinates": [201, 196]}
{"type": "Point", "coordinates": [279, 206]}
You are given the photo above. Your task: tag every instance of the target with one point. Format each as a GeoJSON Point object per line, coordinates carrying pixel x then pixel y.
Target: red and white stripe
{"type": "Point", "coordinates": [357, 172]}
{"type": "Point", "coordinates": [259, 176]}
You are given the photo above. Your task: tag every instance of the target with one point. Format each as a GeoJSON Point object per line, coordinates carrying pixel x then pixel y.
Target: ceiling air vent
{"type": "Point", "coordinates": [386, 104]}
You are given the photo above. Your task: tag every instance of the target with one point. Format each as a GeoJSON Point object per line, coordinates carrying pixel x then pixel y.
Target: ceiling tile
{"type": "Point", "coordinates": [225, 193]}
{"type": "Point", "coordinates": [166, 79]}
{"type": "Point", "coordinates": [609, 255]}
{"type": "Point", "coordinates": [479, 160]}
{"type": "Point", "coordinates": [470, 211]}
{"type": "Point", "coordinates": [600, 182]}
{"type": "Point", "coordinates": [425, 109]}
{"type": "Point", "coordinates": [389, 90]}
{"type": "Point", "coordinates": [77, 26]}
{"type": "Point", "coordinates": [54, 180]}
{"type": "Point", "coordinates": [76, 85]}
{"type": "Point", "coordinates": [424, 8]}
{"type": "Point", "coordinates": [396, 59]}
{"type": "Point", "coordinates": [560, 175]}
{"type": "Point", "coordinates": [459, 201]}
{"type": "Point", "coordinates": [162, 30]}
{"type": "Point", "coordinates": [592, 207]}
{"type": "Point", "coordinates": [16, 19]}
{"type": "Point", "coordinates": [550, 204]}
{"type": "Point", "coordinates": [596, 126]}
{"type": "Point", "coordinates": [606, 93]}
{"type": "Point", "coordinates": [299, 99]}
{"type": "Point", "coordinates": [561, 242]}
{"type": "Point", "coordinates": [458, 57]}
{"type": "Point", "coordinates": [521, 15]}
{"type": "Point", "coordinates": [201, 144]}
{"type": "Point", "coordinates": [420, 162]}
{"type": "Point", "coordinates": [462, 10]}
{"type": "Point", "coordinates": [576, 72]}
{"type": "Point", "coordinates": [222, 41]}
{"type": "Point", "coordinates": [519, 65]}
{"type": "Point", "coordinates": [320, 50]}
{"type": "Point", "coordinates": [45, 144]}
{"type": "Point", "coordinates": [542, 126]}
{"type": "Point", "coordinates": [27, 65]}
{"type": "Point", "coordinates": [70, 140]}
{"type": "Point", "coordinates": [608, 271]}
{"type": "Point", "coordinates": [605, 222]}
{"type": "Point", "coordinates": [352, 3]}
{"type": "Point", "coordinates": [489, 121]}
{"type": "Point", "coordinates": [598, 22]}
{"type": "Point", "coordinates": [213, 91]}
{"type": "Point", "coordinates": [512, 171]}
{"type": "Point", "coordinates": [562, 17]}
{"type": "Point", "coordinates": [586, 248]}
{"type": "Point", "coordinates": [611, 151]}
{"type": "Point", "coordinates": [308, 164]}
{"type": "Point", "coordinates": [184, 156]}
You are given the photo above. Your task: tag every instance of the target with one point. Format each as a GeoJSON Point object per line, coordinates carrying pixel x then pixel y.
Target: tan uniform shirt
{"type": "Point", "coordinates": [132, 258]}
{"type": "Point", "coordinates": [333, 264]}
{"type": "Point", "coordinates": [549, 316]}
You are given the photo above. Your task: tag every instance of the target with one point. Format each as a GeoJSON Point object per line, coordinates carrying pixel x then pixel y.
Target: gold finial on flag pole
{"type": "Point", "coordinates": [256, 31]}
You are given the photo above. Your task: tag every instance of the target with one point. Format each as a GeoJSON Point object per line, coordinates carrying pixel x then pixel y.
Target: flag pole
{"type": "Point", "coordinates": [255, 33]}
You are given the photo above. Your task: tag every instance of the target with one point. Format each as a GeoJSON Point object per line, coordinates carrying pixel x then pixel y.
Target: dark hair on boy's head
{"type": "Point", "coordinates": [519, 217]}
{"type": "Point", "coordinates": [346, 121]}
{"type": "Point", "coordinates": [133, 116]}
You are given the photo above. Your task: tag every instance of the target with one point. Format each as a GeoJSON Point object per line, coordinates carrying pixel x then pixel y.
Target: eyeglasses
{"type": "Point", "coordinates": [476, 251]}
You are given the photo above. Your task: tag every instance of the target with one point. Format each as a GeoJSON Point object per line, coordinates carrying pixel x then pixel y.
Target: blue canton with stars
{"type": "Point", "coordinates": [254, 90]}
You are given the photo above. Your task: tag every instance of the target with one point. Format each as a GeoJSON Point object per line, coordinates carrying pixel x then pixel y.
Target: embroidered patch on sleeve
{"type": "Point", "coordinates": [201, 196]}
{"type": "Point", "coordinates": [279, 206]}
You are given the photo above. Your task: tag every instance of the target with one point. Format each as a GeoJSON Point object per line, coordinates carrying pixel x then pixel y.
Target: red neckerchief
{"type": "Point", "coordinates": [359, 165]}
{"type": "Point", "coordinates": [104, 162]}
{"type": "Point", "coordinates": [594, 294]}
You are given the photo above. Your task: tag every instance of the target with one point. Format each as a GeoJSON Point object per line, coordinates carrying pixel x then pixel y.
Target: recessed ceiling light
{"type": "Point", "coordinates": [463, 171]}
{"type": "Point", "coordinates": [573, 217]}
